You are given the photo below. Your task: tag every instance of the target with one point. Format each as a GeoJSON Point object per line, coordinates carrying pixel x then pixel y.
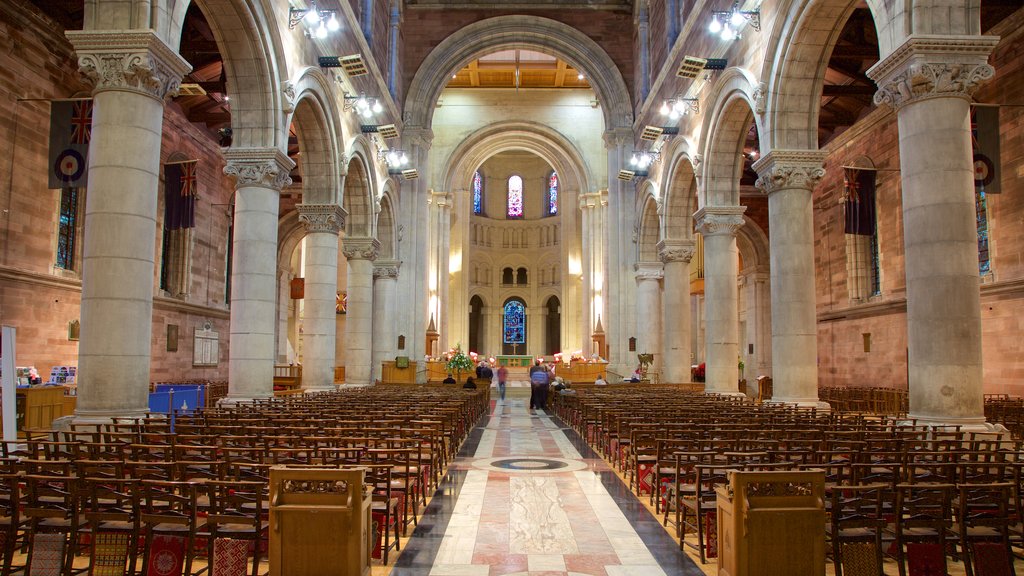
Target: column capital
{"type": "Point", "coordinates": [360, 248]}
{"type": "Point", "coordinates": [328, 218]}
{"type": "Point", "coordinates": [932, 66]}
{"type": "Point", "coordinates": [418, 136]}
{"type": "Point", "coordinates": [258, 167]}
{"type": "Point", "coordinates": [386, 269]}
{"type": "Point", "coordinates": [589, 200]}
{"type": "Point", "coordinates": [649, 271]}
{"type": "Point", "coordinates": [784, 169]}
{"type": "Point", "coordinates": [440, 198]}
{"type": "Point", "coordinates": [676, 250]}
{"type": "Point", "coordinates": [617, 137]}
{"type": "Point", "coordinates": [129, 60]}
{"type": "Point", "coordinates": [719, 220]}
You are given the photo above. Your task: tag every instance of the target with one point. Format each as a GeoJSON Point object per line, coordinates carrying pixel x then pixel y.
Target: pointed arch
{"type": "Point", "coordinates": [723, 134]}
{"type": "Point", "coordinates": [315, 119]}
{"type": "Point", "coordinates": [648, 227]}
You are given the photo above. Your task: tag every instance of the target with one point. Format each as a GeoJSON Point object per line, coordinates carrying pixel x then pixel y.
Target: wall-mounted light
{"type": "Point", "coordinates": [363, 106]}
{"type": "Point", "coordinates": [679, 106]}
{"type": "Point", "coordinates": [395, 158]}
{"type": "Point", "coordinates": [318, 22]}
{"type": "Point", "coordinates": [727, 24]}
{"type": "Point", "coordinates": [641, 161]}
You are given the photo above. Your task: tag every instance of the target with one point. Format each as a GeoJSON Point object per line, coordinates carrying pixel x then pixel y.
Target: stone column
{"type": "Point", "coordinates": [385, 305]}
{"type": "Point", "coordinates": [648, 310]}
{"type": "Point", "coordinates": [360, 252]}
{"type": "Point", "coordinates": [132, 73]}
{"type": "Point", "coordinates": [284, 277]}
{"type": "Point", "coordinates": [319, 324]}
{"type": "Point", "coordinates": [789, 178]}
{"type": "Point", "coordinates": [675, 305]}
{"type": "Point", "coordinates": [929, 80]}
{"type": "Point", "coordinates": [260, 174]}
{"type": "Point", "coordinates": [718, 226]}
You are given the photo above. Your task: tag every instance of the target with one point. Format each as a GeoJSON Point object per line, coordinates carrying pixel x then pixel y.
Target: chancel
{"type": "Point", "coordinates": [603, 287]}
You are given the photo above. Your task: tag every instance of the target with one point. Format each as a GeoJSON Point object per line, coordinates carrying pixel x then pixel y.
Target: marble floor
{"type": "Point", "coordinates": [527, 496]}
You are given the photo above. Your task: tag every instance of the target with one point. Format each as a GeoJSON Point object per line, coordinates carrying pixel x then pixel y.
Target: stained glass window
{"type": "Point", "coordinates": [515, 322]}
{"type": "Point", "coordinates": [981, 212]}
{"type": "Point", "coordinates": [478, 193]}
{"type": "Point", "coordinates": [553, 194]}
{"type": "Point", "coordinates": [66, 224]}
{"type": "Point", "coordinates": [515, 197]}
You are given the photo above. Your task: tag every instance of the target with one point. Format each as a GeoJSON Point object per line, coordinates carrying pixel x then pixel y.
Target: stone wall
{"type": "Point", "coordinates": [37, 65]}
{"type": "Point", "coordinates": [843, 322]}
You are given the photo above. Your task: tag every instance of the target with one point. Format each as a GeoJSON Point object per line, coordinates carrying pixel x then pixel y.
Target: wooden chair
{"type": "Point", "coordinates": [12, 522]}
{"type": "Point", "coordinates": [856, 518]}
{"type": "Point", "coordinates": [169, 508]}
{"type": "Point", "coordinates": [983, 517]}
{"type": "Point", "coordinates": [384, 506]}
{"type": "Point", "coordinates": [237, 512]}
{"type": "Point", "coordinates": [111, 505]}
{"type": "Point", "coordinates": [52, 508]}
{"type": "Point", "coordinates": [924, 515]}
{"type": "Point", "coordinates": [703, 502]}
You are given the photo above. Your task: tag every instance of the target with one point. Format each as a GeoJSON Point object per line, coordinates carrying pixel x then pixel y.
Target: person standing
{"type": "Point", "coordinates": [502, 377]}
{"type": "Point", "coordinates": [538, 385]}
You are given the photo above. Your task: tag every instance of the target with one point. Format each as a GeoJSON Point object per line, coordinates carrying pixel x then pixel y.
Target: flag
{"type": "Point", "coordinates": [860, 201]}
{"type": "Point", "coordinates": [70, 132]}
{"type": "Point", "coordinates": [180, 191]}
{"type": "Point", "coordinates": [985, 137]}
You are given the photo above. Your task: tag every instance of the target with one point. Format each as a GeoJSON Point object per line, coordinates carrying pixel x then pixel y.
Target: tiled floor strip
{"type": "Point", "coordinates": [527, 496]}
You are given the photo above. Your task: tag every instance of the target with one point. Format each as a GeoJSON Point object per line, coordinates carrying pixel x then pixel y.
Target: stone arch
{"type": "Point", "coordinates": [387, 228]}
{"type": "Point", "coordinates": [358, 197]}
{"type": "Point", "coordinates": [794, 76]}
{"type": "Point", "coordinates": [648, 228]}
{"type": "Point", "coordinates": [290, 232]}
{"type": "Point", "coordinates": [752, 243]}
{"type": "Point", "coordinates": [518, 31]}
{"type": "Point", "coordinates": [724, 131]}
{"type": "Point", "coordinates": [549, 144]}
{"type": "Point", "coordinates": [315, 128]}
{"type": "Point", "coordinates": [248, 37]}
{"type": "Point", "coordinates": [679, 195]}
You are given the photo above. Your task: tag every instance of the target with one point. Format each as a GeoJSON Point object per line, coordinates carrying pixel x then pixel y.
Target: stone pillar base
{"type": "Point", "coordinates": [737, 393]}
{"type": "Point", "coordinates": [319, 388]}
{"type": "Point", "coordinates": [965, 424]}
{"type": "Point", "coordinates": [95, 418]}
{"type": "Point", "coordinates": [355, 385]}
{"type": "Point", "coordinates": [230, 400]}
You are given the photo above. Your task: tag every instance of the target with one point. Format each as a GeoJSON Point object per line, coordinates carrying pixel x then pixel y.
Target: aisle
{"type": "Point", "coordinates": [526, 496]}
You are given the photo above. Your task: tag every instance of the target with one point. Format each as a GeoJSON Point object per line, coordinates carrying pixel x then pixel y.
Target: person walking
{"type": "Point", "coordinates": [502, 377]}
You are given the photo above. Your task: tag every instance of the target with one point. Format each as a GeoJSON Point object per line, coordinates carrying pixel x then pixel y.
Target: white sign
{"type": "Point", "coordinates": [7, 386]}
{"type": "Point", "coordinates": [205, 346]}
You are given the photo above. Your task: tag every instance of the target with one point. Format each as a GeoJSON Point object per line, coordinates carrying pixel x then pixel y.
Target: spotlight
{"type": "Point", "coordinates": [715, 27]}
{"type": "Point", "coordinates": [321, 30]}
{"type": "Point", "coordinates": [333, 25]}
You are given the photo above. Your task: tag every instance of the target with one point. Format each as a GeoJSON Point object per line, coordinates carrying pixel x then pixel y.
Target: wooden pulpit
{"type": "Point", "coordinates": [320, 522]}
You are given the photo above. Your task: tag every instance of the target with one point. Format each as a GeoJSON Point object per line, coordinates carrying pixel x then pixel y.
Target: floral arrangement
{"type": "Point", "coordinates": [458, 361]}
{"type": "Point", "coordinates": [698, 372]}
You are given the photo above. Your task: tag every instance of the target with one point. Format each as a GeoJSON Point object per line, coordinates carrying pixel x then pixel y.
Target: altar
{"type": "Point", "coordinates": [509, 361]}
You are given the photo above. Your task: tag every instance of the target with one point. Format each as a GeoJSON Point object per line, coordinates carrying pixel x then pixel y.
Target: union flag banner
{"type": "Point", "coordinates": [180, 191]}
{"type": "Point", "coordinates": [70, 131]}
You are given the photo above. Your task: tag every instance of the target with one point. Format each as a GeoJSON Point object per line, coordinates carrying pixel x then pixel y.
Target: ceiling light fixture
{"type": "Point", "coordinates": [679, 106]}
{"type": "Point", "coordinates": [365, 107]}
{"type": "Point", "coordinates": [319, 22]}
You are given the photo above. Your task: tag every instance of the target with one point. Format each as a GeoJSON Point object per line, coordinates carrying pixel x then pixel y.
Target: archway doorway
{"type": "Point", "coordinates": [476, 324]}
{"type": "Point", "coordinates": [513, 327]}
{"type": "Point", "coordinates": [552, 330]}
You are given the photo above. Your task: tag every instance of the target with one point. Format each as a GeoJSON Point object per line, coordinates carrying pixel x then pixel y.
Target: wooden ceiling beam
{"type": "Point", "coordinates": [848, 90]}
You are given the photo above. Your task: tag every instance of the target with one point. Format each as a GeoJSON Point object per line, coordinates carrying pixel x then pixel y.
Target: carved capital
{"type": "Point", "coordinates": [618, 137]}
{"type": "Point", "coordinates": [440, 199]}
{"type": "Point", "coordinates": [675, 251]}
{"type": "Point", "coordinates": [135, 61]}
{"type": "Point", "coordinates": [417, 137]}
{"type": "Point", "coordinates": [927, 66]}
{"type": "Point", "coordinates": [329, 218]}
{"type": "Point", "coordinates": [386, 269]}
{"type": "Point", "coordinates": [719, 220]}
{"type": "Point", "coordinates": [260, 167]}
{"type": "Point", "coordinates": [784, 169]}
{"type": "Point", "coordinates": [360, 248]}
{"type": "Point", "coordinates": [649, 271]}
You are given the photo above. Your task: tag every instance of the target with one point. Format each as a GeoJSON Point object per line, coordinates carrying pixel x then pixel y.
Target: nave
{"type": "Point", "coordinates": [527, 495]}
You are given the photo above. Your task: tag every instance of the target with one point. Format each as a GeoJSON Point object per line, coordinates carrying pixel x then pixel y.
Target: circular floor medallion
{"type": "Point", "coordinates": [527, 464]}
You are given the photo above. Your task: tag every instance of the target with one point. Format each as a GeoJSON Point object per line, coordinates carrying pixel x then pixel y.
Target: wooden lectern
{"type": "Point", "coordinates": [320, 522]}
{"type": "Point", "coordinates": [772, 524]}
